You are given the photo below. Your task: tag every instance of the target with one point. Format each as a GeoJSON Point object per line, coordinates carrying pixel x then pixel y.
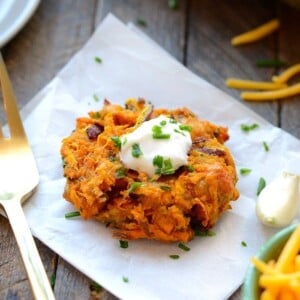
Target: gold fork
{"type": "Point", "coordinates": [18, 179]}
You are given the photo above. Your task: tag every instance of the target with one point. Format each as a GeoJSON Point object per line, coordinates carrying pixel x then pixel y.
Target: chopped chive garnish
{"type": "Point", "coordinates": [165, 166]}
{"type": "Point", "coordinates": [98, 60]}
{"type": "Point", "coordinates": [141, 22]}
{"type": "Point", "coordinates": [72, 214]}
{"type": "Point", "coordinates": [168, 164]}
{"type": "Point", "coordinates": [184, 247]}
{"type": "Point", "coordinates": [117, 141]}
{"type": "Point", "coordinates": [173, 4]}
{"type": "Point", "coordinates": [190, 168]}
{"type": "Point", "coordinates": [156, 129]}
{"type": "Point", "coordinates": [158, 161]}
{"type": "Point", "coordinates": [136, 150]}
{"type": "Point", "coordinates": [270, 63]}
{"type": "Point", "coordinates": [165, 187]}
{"type": "Point", "coordinates": [261, 185]}
{"type": "Point", "coordinates": [158, 134]}
{"type": "Point", "coordinates": [178, 131]}
{"type": "Point", "coordinates": [245, 171]}
{"type": "Point", "coordinates": [204, 233]}
{"type": "Point", "coordinates": [174, 256]}
{"type": "Point", "coordinates": [168, 167]}
{"type": "Point", "coordinates": [96, 98]}
{"type": "Point", "coordinates": [173, 121]}
{"type": "Point", "coordinates": [125, 279]}
{"type": "Point", "coordinates": [247, 128]}
{"type": "Point", "coordinates": [124, 141]}
{"type": "Point", "coordinates": [163, 122]}
{"type": "Point", "coordinates": [121, 173]}
{"type": "Point", "coordinates": [185, 127]}
{"type": "Point", "coordinates": [52, 280]}
{"type": "Point", "coordinates": [243, 243]}
{"type": "Point", "coordinates": [161, 136]}
{"type": "Point", "coordinates": [123, 244]}
{"type": "Point", "coordinates": [167, 171]}
{"type": "Point", "coordinates": [134, 186]}
{"type": "Point", "coordinates": [266, 146]}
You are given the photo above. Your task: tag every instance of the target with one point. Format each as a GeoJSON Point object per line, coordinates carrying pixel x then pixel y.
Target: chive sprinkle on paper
{"type": "Point", "coordinates": [184, 247]}
{"type": "Point", "coordinates": [204, 232]}
{"type": "Point", "coordinates": [243, 243]}
{"type": "Point", "coordinates": [123, 244]}
{"type": "Point", "coordinates": [249, 127]}
{"type": "Point", "coordinates": [98, 60]}
{"type": "Point", "coordinates": [261, 185]}
{"type": "Point", "coordinates": [245, 171]}
{"type": "Point", "coordinates": [266, 146]}
{"type": "Point", "coordinates": [72, 214]}
{"type": "Point", "coordinates": [96, 98]}
{"type": "Point", "coordinates": [125, 279]}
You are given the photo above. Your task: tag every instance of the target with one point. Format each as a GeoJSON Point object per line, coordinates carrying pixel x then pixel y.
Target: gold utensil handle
{"type": "Point", "coordinates": [35, 270]}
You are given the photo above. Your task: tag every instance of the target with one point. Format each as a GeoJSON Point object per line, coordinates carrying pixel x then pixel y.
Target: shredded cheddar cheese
{"type": "Point", "coordinates": [287, 74]}
{"type": "Point", "coordinates": [272, 95]}
{"type": "Point", "coordinates": [253, 85]}
{"type": "Point", "coordinates": [281, 279]}
{"type": "Point", "coordinates": [256, 33]}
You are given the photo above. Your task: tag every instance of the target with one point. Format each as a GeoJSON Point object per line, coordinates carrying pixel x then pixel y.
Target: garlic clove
{"type": "Point", "coordinates": [277, 204]}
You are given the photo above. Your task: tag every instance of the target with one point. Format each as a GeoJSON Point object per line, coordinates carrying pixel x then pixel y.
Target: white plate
{"type": "Point", "coordinates": [13, 16]}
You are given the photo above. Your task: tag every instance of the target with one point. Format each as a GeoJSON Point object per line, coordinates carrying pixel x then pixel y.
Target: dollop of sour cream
{"type": "Point", "coordinates": [157, 146]}
{"type": "Point", "coordinates": [277, 204]}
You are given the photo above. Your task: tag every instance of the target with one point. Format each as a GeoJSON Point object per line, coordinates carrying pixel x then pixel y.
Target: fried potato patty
{"type": "Point", "coordinates": [164, 207]}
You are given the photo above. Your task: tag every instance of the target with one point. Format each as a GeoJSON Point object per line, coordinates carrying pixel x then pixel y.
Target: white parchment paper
{"type": "Point", "coordinates": [133, 66]}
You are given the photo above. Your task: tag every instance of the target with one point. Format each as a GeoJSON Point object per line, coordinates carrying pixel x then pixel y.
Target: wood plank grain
{"type": "Point", "coordinates": [78, 287]}
{"type": "Point", "coordinates": [55, 32]}
{"type": "Point", "coordinates": [69, 283]}
{"type": "Point", "coordinates": [163, 24]}
{"type": "Point", "coordinates": [209, 54]}
{"type": "Point", "coordinates": [289, 51]}
{"type": "Point", "coordinates": [211, 25]}
{"type": "Point", "coordinates": [13, 278]}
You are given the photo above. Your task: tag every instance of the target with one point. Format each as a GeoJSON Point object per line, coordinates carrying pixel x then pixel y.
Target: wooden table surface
{"type": "Point", "coordinates": [197, 34]}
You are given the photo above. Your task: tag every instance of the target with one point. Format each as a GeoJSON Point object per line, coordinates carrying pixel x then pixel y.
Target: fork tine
{"type": "Point", "coordinates": [10, 106]}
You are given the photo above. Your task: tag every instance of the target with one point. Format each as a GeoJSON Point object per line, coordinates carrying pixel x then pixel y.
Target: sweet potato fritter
{"type": "Point", "coordinates": [166, 207]}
